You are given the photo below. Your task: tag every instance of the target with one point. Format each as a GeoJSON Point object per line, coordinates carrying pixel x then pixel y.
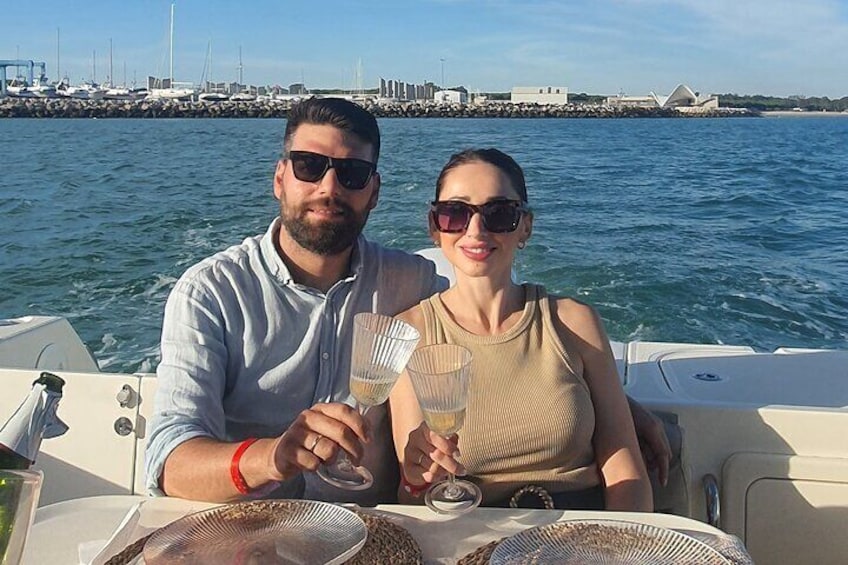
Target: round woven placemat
{"type": "Point", "coordinates": [129, 553]}
{"type": "Point", "coordinates": [481, 555]}
{"type": "Point", "coordinates": [387, 543]}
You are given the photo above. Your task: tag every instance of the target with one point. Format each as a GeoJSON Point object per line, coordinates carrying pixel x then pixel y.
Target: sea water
{"type": "Point", "coordinates": [726, 231]}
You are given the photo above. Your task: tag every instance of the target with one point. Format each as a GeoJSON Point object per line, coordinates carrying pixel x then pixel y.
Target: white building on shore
{"type": "Point", "coordinates": [539, 94]}
{"type": "Point", "coordinates": [451, 96]}
{"type": "Point", "coordinates": [681, 98]}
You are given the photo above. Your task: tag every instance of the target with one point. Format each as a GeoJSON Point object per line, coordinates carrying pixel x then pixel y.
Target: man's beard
{"type": "Point", "coordinates": [324, 237]}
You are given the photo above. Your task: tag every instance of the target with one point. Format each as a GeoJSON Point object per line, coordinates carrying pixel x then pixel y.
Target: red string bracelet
{"type": "Point", "coordinates": [235, 472]}
{"type": "Point", "coordinates": [413, 490]}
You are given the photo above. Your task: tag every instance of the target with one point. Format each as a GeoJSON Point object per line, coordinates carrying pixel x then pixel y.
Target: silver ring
{"type": "Point", "coordinates": [420, 459]}
{"type": "Point", "coordinates": [318, 438]}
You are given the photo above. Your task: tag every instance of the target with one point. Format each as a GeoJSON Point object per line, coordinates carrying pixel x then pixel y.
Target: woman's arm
{"type": "Point", "coordinates": [617, 453]}
{"type": "Point", "coordinates": [423, 455]}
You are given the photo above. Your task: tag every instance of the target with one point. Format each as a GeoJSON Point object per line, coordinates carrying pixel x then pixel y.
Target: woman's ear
{"type": "Point", "coordinates": [434, 233]}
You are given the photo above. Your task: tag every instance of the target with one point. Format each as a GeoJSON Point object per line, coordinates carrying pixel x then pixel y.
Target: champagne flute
{"type": "Point", "coordinates": [440, 375]}
{"type": "Point", "coordinates": [381, 347]}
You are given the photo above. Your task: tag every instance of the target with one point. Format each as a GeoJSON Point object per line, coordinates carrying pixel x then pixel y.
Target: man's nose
{"type": "Point", "coordinates": [329, 183]}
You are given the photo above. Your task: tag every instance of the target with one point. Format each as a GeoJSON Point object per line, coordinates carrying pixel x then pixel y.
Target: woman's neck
{"type": "Point", "coordinates": [484, 308]}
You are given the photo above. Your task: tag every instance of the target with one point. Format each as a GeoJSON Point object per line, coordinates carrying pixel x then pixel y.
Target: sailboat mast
{"type": "Point", "coordinates": [58, 72]}
{"type": "Point", "coordinates": [240, 68]}
{"type": "Point", "coordinates": [171, 49]}
{"type": "Point", "coordinates": [111, 73]}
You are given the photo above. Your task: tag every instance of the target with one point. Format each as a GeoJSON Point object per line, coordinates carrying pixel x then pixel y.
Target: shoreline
{"type": "Point", "coordinates": [73, 108]}
{"type": "Point", "coordinates": [802, 114]}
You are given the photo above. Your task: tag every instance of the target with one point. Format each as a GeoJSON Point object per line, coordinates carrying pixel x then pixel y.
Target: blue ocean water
{"type": "Point", "coordinates": [695, 230]}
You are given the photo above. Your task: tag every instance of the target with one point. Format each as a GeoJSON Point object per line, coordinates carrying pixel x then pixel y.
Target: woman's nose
{"type": "Point", "coordinates": [475, 224]}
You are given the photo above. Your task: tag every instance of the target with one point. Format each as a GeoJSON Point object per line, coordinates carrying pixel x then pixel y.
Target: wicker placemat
{"type": "Point", "coordinates": [481, 555]}
{"type": "Point", "coordinates": [129, 553]}
{"type": "Point", "coordinates": [387, 543]}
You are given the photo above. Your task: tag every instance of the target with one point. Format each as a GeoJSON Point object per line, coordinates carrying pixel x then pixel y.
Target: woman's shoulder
{"type": "Point", "coordinates": [572, 313]}
{"type": "Point", "coordinates": [414, 315]}
{"type": "Point", "coordinates": [566, 305]}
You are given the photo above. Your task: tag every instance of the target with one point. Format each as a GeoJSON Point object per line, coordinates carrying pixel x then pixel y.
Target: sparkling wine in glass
{"type": "Point", "coordinates": [381, 347]}
{"type": "Point", "coordinates": [440, 375]}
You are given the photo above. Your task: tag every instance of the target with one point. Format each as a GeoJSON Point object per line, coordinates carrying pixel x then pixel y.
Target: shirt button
{"type": "Point", "coordinates": [325, 356]}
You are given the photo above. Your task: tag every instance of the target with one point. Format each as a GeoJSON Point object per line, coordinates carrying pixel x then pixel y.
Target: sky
{"type": "Point", "coordinates": [770, 47]}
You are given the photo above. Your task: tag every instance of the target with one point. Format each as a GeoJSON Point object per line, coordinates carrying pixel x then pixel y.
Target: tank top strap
{"type": "Point", "coordinates": [564, 347]}
{"type": "Point", "coordinates": [433, 330]}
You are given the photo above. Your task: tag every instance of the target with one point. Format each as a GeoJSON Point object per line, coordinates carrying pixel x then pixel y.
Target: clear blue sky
{"type": "Point", "coordinates": [772, 47]}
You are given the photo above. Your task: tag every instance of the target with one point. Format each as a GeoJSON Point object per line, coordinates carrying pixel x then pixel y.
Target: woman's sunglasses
{"type": "Point", "coordinates": [499, 216]}
{"type": "Point", "coordinates": [353, 174]}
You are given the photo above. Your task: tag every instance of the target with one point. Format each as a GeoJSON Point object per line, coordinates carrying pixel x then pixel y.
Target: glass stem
{"type": "Point", "coordinates": [343, 461]}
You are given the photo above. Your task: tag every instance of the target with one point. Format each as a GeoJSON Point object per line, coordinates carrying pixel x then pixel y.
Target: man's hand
{"type": "Point", "coordinates": [316, 436]}
{"type": "Point", "coordinates": [652, 440]}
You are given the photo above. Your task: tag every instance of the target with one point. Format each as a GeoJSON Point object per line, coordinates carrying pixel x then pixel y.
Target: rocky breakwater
{"type": "Point", "coordinates": [527, 110]}
{"type": "Point", "coordinates": [72, 108]}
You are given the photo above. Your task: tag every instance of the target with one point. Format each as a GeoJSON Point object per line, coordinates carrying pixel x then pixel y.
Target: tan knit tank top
{"type": "Point", "coordinates": [530, 417]}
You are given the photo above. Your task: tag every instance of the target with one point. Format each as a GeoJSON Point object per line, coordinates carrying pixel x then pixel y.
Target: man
{"type": "Point", "coordinates": [253, 384]}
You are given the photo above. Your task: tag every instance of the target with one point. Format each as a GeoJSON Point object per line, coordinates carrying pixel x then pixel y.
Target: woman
{"type": "Point", "coordinates": [546, 408]}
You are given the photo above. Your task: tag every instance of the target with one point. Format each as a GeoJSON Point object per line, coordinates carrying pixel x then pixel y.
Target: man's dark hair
{"type": "Point", "coordinates": [337, 112]}
{"type": "Point", "coordinates": [493, 157]}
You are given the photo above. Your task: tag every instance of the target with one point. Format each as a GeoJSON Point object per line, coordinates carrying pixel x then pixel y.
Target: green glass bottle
{"type": "Point", "coordinates": [20, 440]}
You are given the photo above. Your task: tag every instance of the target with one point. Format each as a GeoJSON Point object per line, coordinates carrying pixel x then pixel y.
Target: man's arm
{"type": "Point", "coordinates": [187, 455]}
{"type": "Point", "coordinates": [653, 441]}
{"type": "Point", "coordinates": [200, 468]}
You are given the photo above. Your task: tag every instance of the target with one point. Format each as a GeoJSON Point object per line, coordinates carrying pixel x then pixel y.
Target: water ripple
{"type": "Point", "coordinates": [714, 231]}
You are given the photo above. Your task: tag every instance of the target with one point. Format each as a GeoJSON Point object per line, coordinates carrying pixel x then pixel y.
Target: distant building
{"type": "Point", "coordinates": [399, 90]}
{"type": "Point", "coordinates": [682, 98]}
{"type": "Point", "coordinates": [539, 94]}
{"type": "Point", "coordinates": [298, 89]}
{"type": "Point", "coordinates": [451, 96]}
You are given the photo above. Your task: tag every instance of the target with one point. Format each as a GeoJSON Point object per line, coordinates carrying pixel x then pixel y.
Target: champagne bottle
{"type": "Point", "coordinates": [20, 440]}
{"type": "Point", "coordinates": [35, 418]}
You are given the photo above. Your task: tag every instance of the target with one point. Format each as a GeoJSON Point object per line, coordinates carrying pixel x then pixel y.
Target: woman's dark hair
{"type": "Point", "coordinates": [337, 112]}
{"type": "Point", "coordinates": [491, 156]}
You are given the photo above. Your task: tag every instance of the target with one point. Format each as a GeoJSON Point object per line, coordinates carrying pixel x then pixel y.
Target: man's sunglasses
{"type": "Point", "coordinates": [353, 174]}
{"type": "Point", "coordinates": [499, 216]}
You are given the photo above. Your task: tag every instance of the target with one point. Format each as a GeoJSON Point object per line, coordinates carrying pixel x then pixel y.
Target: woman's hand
{"type": "Point", "coordinates": [428, 456]}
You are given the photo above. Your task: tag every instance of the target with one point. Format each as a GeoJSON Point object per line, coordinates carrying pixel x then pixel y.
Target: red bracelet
{"type": "Point", "coordinates": [235, 472]}
{"type": "Point", "coordinates": [413, 490]}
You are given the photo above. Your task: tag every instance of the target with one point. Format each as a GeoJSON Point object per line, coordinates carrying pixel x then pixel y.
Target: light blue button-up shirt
{"type": "Point", "coordinates": [245, 349]}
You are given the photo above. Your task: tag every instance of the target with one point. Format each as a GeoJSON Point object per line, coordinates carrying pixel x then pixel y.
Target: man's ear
{"type": "Point", "coordinates": [279, 173]}
{"type": "Point", "coordinates": [527, 225]}
{"type": "Point", "coordinates": [375, 191]}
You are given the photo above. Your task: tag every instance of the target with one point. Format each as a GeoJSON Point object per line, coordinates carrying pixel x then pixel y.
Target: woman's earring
{"type": "Point", "coordinates": [436, 243]}
{"type": "Point", "coordinates": [521, 245]}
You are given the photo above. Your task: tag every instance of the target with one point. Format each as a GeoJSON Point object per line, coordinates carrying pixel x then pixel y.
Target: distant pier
{"type": "Point", "coordinates": [73, 108]}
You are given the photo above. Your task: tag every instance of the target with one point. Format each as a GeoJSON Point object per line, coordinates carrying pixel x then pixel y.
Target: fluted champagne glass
{"type": "Point", "coordinates": [381, 348]}
{"type": "Point", "coordinates": [440, 375]}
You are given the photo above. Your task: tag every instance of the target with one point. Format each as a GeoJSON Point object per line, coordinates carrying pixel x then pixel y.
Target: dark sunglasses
{"type": "Point", "coordinates": [353, 174]}
{"type": "Point", "coordinates": [499, 216]}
